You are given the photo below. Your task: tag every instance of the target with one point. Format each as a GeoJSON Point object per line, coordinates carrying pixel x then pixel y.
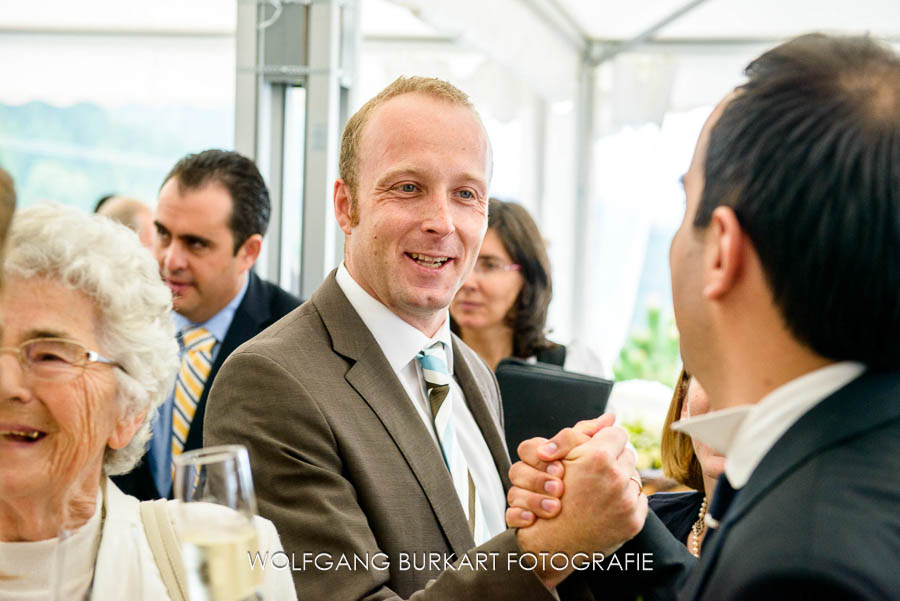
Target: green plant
{"type": "Point", "coordinates": [651, 353]}
{"type": "Point", "coordinates": [646, 443]}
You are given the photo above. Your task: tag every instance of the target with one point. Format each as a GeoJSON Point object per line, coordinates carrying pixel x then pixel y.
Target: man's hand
{"type": "Point", "coordinates": [603, 507]}
{"type": "Point", "coordinates": [537, 478]}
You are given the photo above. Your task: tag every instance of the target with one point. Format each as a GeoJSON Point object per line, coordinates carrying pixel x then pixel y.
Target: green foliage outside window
{"type": "Point", "coordinates": [646, 443]}
{"type": "Point", "coordinates": [651, 353]}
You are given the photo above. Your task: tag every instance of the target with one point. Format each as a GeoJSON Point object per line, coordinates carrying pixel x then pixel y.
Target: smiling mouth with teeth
{"type": "Point", "coordinates": [22, 435]}
{"type": "Point", "coordinates": [428, 261]}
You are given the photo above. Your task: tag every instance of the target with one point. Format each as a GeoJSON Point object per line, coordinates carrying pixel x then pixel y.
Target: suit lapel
{"type": "Point", "coordinates": [863, 404]}
{"type": "Point", "coordinates": [373, 378]}
{"type": "Point", "coordinates": [246, 323]}
{"type": "Point", "coordinates": [479, 406]}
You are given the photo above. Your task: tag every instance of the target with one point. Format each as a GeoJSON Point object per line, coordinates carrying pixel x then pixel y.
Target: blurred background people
{"type": "Point", "coordinates": [690, 463]}
{"type": "Point", "coordinates": [501, 309]}
{"type": "Point", "coordinates": [89, 356]}
{"type": "Point", "coordinates": [128, 211]}
{"type": "Point", "coordinates": [7, 205]}
{"type": "Point", "coordinates": [102, 201]}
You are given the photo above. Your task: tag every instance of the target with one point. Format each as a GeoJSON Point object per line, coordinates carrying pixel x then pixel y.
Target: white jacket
{"type": "Point", "coordinates": [126, 568]}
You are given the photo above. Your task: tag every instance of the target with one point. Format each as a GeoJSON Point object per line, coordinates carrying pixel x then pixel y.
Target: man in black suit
{"type": "Point", "coordinates": [786, 285]}
{"type": "Point", "coordinates": [212, 213]}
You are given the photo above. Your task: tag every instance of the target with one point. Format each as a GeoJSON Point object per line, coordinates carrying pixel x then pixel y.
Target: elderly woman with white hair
{"type": "Point", "coordinates": [88, 353]}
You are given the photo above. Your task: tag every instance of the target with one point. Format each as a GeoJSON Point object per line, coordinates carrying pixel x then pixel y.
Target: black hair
{"type": "Point", "coordinates": [102, 201]}
{"type": "Point", "coordinates": [807, 154]}
{"type": "Point", "coordinates": [239, 175]}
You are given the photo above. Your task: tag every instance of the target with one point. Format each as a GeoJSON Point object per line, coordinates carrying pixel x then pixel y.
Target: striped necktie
{"type": "Point", "coordinates": [196, 364]}
{"type": "Point", "coordinates": [437, 384]}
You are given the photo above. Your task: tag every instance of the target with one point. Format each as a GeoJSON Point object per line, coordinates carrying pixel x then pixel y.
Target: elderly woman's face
{"type": "Point", "coordinates": [486, 297]}
{"type": "Point", "coordinates": [74, 420]}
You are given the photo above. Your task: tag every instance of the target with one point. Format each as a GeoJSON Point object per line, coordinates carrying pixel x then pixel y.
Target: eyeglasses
{"type": "Point", "coordinates": [489, 265]}
{"type": "Point", "coordinates": [56, 358]}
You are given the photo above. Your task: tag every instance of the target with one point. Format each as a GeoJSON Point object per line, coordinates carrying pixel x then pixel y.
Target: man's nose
{"type": "Point", "coordinates": [173, 257]}
{"type": "Point", "coordinates": [438, 217]}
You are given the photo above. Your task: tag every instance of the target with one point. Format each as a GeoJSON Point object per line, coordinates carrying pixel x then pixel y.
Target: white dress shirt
{"type": "Point", "coordinates": [401, 342]}
{"type": "Point", "coordinates": [745, 434]}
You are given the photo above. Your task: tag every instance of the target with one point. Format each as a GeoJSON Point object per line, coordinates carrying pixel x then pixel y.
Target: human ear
{"type": "Point", "coordinates": [342, 202]}
{"type": "Point", "coordinates": [125, 430]}
{"type": "Point", "coordinates": [249, 251]}
{"type": "Point", "coordinates": [726, 248]}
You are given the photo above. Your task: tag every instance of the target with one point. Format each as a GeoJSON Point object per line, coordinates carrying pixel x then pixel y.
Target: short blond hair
{"type": "Point", "coordinates": [428, 86]}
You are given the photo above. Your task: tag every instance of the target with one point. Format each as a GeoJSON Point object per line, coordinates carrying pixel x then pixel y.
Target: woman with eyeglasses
{"type": "Point", "coordinates": [690, 463]}
{"type": "Point", "coordinates": [501, 309]}
{"type": "Point", "coordinates": [88, 354]}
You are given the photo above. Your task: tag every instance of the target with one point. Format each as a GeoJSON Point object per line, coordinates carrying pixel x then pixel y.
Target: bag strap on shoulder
{"type": "Point", "coordinates": [165, 546]}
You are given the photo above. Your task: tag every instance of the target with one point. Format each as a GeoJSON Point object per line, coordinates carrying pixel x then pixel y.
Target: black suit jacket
{"type": "Point", "coordinates": [820, 516]}
{"type": "Point", "coordinates": [264, 304]}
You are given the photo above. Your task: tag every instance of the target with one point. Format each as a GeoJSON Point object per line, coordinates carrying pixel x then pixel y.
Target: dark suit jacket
{"type": "Point", "coordinates": [344, 466]}
{"type": "Point", "coordinates": [264, 304]}
{"type": "Point", "coordinates": [820, 516]}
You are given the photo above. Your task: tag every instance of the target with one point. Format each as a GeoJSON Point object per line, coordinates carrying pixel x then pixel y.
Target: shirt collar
{"type": "Point", "coordinates": [399, 341]}
{"type": "Point", "coordinates": [745, 434]}
{"type": "Point", "coordinates": [218, 324]}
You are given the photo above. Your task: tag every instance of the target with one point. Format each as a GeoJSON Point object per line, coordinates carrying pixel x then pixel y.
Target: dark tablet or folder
{"type": "Point", "coordinates": [541, 399]}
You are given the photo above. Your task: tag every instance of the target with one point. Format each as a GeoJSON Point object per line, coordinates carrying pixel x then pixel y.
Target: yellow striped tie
{"type": "Point", "coordinates": [196, 364]}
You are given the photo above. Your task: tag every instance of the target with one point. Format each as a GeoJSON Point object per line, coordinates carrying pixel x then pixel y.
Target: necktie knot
{"type": "Point", "coordinates": [196, 365]}
{"type": "Point", "coordinates": [433, 360]}
{"type": "Point", "coordinates": [198, 339]}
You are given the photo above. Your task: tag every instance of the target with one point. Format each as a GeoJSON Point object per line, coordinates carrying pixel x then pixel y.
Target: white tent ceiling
{"type": "Point", "coordinates": [605, 20]}
{"type": "Point", "coordinates": [733, 19]}
{"type": "Point", "coordinates": [543, 42]}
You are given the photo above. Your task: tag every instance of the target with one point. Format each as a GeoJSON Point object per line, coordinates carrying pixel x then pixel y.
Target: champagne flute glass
{"type": "Point", "coordinates": [214, 521]}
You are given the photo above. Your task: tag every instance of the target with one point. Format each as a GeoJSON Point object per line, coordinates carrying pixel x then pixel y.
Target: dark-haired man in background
{"type": "Point", "coordinates": [211, 216]}
{"type": "Point", "coordinates": [786, 285]}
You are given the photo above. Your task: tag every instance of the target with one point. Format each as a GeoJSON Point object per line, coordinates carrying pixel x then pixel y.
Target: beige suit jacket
{"type": "Point", "coordinates": [344, 466]}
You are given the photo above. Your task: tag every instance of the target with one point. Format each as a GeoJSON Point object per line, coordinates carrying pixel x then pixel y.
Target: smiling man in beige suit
{"type": "Point", "coordinates": [374, 433]}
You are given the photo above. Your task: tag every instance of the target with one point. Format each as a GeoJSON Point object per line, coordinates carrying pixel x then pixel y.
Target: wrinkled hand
{"type": "Point", "coordinates": [537, 477]}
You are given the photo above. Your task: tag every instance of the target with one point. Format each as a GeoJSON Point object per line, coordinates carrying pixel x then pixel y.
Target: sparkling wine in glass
{"type": "Point", "coordinates": [214, 521]}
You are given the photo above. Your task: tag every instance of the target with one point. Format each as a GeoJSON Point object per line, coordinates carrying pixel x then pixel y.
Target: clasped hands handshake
{"type": "Point", "coordinates": [577, 493]}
